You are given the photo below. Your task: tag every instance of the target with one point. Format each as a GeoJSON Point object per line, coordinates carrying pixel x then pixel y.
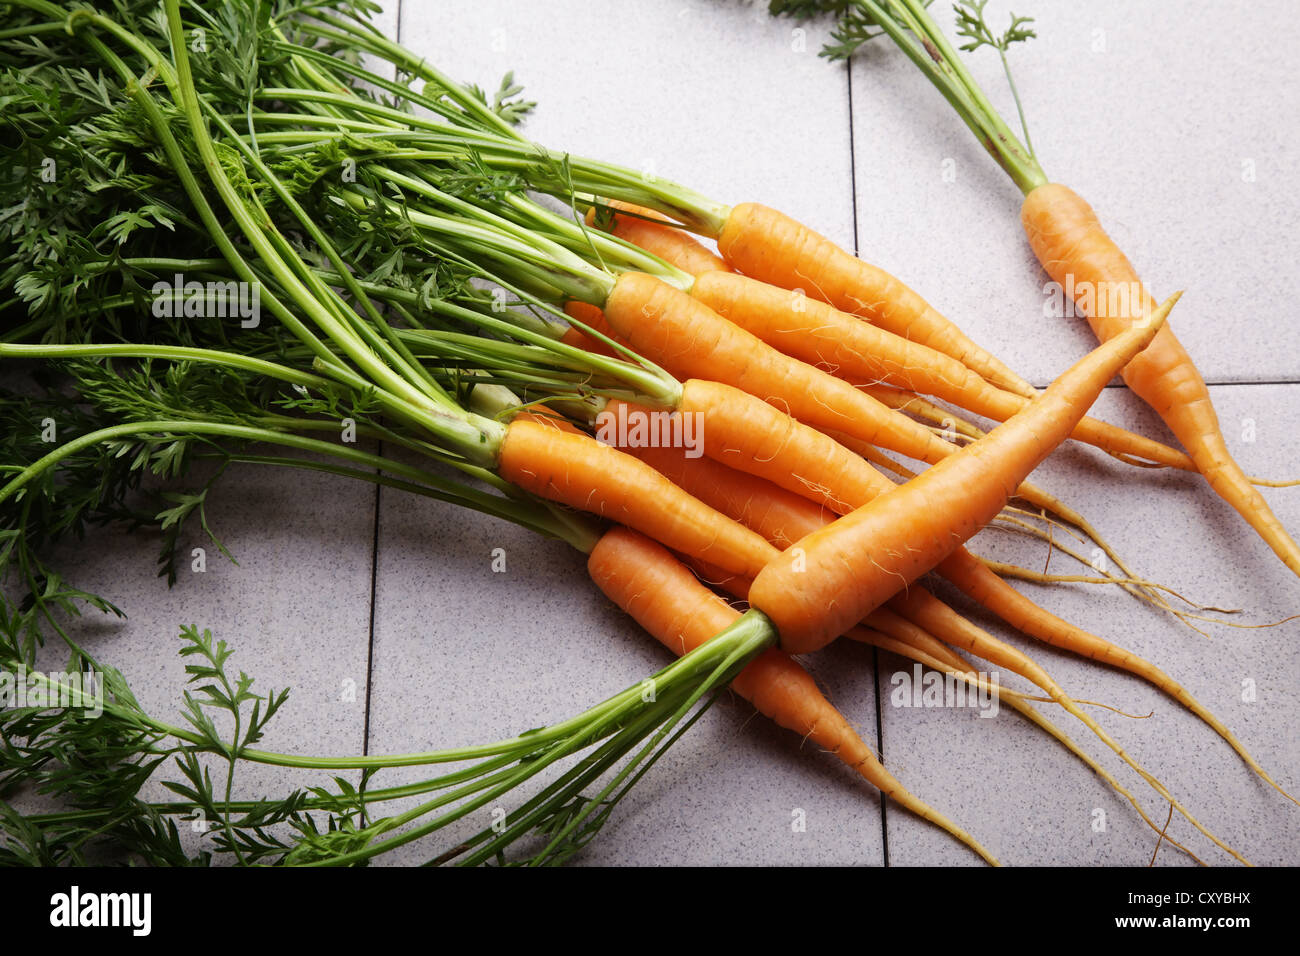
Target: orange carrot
{"type": "Point", "coordinates": [896, 633]}
{"type": "Point", "coordinates": [1072, 246]}
{"type": "Point", "coordinates": [766, 312]}
{"type": "Point", "coordinates": [821, 335]}
{"type": "Point", "coordinates": [688, 339]}
{"type": "Point", "coordinates": [769, 245]}
{"type": "Point", "coordinates": [780, 516]}
{"type": "Point", "coordinates": [836, 575]}
{"type": "Point", "coordinates": [582, 473]}
{"type": "Point", "coordinates": [672, 244]}
{"type": "Point", "coordinates": [783, 518]}
{"type": "Point", "coordinates": [667, 600]}
{"type": "Point", "coordinates": [767, 443]}
{"type": "Point", "coordinates": [998, 652]}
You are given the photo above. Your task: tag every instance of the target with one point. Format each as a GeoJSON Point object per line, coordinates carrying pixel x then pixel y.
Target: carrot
{"type": "Point", "coordinates": [1072, 246]}
{"type": "Point", "coordinates": [904, 618]}
{"type": "Point", "coordinates": [780, 516]}
{"type": "Point", "coordinates": [670, 243]}
{"type": "Point", "coordinates": [836, 575]}
{"type": "Point", "coordinates": [581, 340]}
{"type": "Point", "coordinates": [761, 442]}
{"type": "Point", "coordinates": [894, 632]}
{"type": "Point", "coordinates": [1064, 402]}
{"type": "Point", "coordinates": [1138, 587]}
{"type": "Point", "coordinates": [823, 336]}
{"type": "Point", "coordinates": [688, 339]}
{"type": "Point", "coordinates": [722, 292]}
{"type": "Point", "coordinates": [917, 603]}
{"type": "Point", "coordinates": [783, 518]}
{"type": "Point", "coordinates": [764, 443]}
{"type": "Point", "coordinates": [766, 244]}
{"type": "Point", "coordinates": [814, 594]}
{"type": "Point", "coordinates": [667, 600]}
{"type": "Point", "coordinates": [755, 438]}
{"type": "Point", "coordinates": [582, 473]}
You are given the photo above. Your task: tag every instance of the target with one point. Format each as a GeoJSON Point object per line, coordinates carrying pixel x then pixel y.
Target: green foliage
{"type": "Point", "coordinates": [507, 101]}
{"type": "Point", "coordinates": [105, 195]}
{"type": "Point", "coordinates": [855, 22]}
{"type": "Point", "coordinates": [971, 24]}
{"type": "Point", "coordinates": [96, 768]}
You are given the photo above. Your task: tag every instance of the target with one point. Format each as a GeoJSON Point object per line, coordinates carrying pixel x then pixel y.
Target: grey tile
{"type": "Point", "coordinates": [711, 95]}
{"type": "Point", "coordinates": [1130, 106]}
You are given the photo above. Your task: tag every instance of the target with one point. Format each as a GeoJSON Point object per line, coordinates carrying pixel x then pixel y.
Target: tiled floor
{"type": "Point", "coordinates": [384, 615]}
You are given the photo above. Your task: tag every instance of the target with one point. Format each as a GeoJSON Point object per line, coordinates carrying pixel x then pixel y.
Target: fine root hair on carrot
{"type": "Point", "coordinates": [1084, 702]}
{"type": "Point", "coordinates": [951, 665]}
{"type": "Point", "coordinates": [900, 627]}
{"type": "Point", "coordinates": [1039, 577]}
{"type": "Point", "coordinates": [998, 652]}
{"type": "Point", "coordinates": [1139, 588]}
{"type": "Point", "coordinates": [1273, 483]}
{"type": "Point", "coordinates": [1006, 570]}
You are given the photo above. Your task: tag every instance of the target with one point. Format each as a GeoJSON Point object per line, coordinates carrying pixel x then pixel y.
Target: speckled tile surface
{"type": "Point", "coordinates": [1169, 125]}
{"type": "Point", "coordinates": [711, 93]}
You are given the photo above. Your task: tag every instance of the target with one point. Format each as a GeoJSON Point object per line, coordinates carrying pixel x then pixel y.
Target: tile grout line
{"type": "Point", "coordinates": [875, 653]}
{"type": "Point", "coordinates": [374, 556]}
{"type": "Point", "coordinates": [370, 637]}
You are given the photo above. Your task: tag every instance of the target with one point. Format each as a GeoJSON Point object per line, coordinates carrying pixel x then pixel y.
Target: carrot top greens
{"type": "Point", "coordinates": [910, 26]}
{"type": "Point", "coordinates": [371, 309]}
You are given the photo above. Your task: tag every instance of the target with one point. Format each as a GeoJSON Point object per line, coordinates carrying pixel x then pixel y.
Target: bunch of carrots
{"type": "Point", "coordinates": [541, 327]}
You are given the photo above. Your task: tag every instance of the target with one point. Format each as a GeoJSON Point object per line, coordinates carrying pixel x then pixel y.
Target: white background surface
{"type": "Point", "coordinates": [1150, 111]}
